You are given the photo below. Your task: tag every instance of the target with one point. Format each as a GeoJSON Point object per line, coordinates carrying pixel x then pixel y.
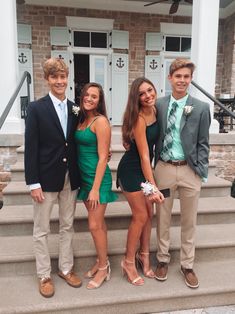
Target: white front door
{"type": "Point", "coordinates": [99, 74]}
{"type": "Point", "coordinates": [91, 68]}
{"type": "Point", "coordinates": [167, 85]}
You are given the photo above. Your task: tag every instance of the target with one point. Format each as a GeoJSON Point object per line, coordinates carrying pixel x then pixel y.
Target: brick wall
{"type": "Point", "coordinates": [41, 18]}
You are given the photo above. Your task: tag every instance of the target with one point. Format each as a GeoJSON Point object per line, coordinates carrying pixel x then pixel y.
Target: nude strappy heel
{"type": "Point", "coordinates": [139, 262]}
{"type": "Point", "coordinates": [90, 273]}
{"type": "Point", "coordinates": [138, 281]}
{"type": "Point", "coordinates": [93, 284]}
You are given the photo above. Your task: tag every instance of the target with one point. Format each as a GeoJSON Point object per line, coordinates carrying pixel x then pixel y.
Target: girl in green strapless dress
{"type": "Point", "coordinates": [93, 142]}
{"type": "Point", "coordinates": [139, 132]}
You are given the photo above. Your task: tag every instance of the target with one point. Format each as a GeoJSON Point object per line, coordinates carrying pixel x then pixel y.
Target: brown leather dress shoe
{"type": "Point", "coordinates": [46, 287]}
{"type": "Point", "coordinates": [190, 277]}
{"type": "Point", "coordinates": [71, 278]}
{"type": "Point", "coordinates": [161, 271]}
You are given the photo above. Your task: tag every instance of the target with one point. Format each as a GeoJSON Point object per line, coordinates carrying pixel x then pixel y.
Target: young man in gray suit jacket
{"type": "Point", "coordinates": [182, 152]}
{"type": "Point", "coordinates": [52, 174]}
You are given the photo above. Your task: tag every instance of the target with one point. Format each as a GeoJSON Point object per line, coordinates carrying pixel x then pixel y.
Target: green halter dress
{"type": "Point", "coordinates": [129, 173]}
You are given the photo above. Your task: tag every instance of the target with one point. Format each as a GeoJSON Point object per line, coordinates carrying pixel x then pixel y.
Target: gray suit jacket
{"type": "Point", "coordinates": [194, 133]}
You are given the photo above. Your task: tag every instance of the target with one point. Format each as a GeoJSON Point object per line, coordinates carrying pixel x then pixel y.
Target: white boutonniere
{"type": "Point", "coordinates": [75, 110]}
{"type": "Point", "coordinates": [187, 110]}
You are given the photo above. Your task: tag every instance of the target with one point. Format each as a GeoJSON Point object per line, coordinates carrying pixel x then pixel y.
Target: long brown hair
{"type": "Point", "coordinates": [133, 108]}
{"type": "Point", "coordinates": [101, 108]}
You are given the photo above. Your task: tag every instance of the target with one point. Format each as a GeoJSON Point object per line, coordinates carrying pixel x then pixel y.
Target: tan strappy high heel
{"type": "Point", "coordinates": [138, 281]}
{"type": "Point", "coordinates": [92, 272]}
{"type": "Point", "coordinates": [93, 284]}
{"type": "Point", "coordinates": [149, 273]}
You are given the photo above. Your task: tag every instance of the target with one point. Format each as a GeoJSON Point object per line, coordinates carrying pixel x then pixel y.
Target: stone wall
{"type": "Point", "coordinates": [222, 153]}
{"type": "Point", "coordinates": [8, 156]}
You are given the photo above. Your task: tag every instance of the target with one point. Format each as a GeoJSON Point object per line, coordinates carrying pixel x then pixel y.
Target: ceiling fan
{"type": "Point", "coordinates": [174, 7]}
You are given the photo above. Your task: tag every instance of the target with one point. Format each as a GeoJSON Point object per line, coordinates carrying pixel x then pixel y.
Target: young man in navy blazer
{"type": "Point", "coordinates": [182, 164]}
{"type": "Point", "coordinates": [52, 174]}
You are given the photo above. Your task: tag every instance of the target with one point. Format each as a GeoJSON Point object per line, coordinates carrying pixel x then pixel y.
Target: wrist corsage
{"type": "Point", "coordinates": [148, 188]}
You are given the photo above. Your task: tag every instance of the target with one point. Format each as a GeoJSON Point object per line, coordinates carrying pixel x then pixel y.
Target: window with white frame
{"type": "Point", "coordinates": [177, 43]}
{"type": "Point", "coordinates": [89, 39]}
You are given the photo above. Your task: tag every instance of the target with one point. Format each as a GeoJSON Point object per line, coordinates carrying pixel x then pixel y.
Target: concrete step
{"type": "Point", "coordinates": [214, 242]}
{"type": "Point", "coordinates": [19, 294]}
{"type": "Point", "coordinates": [17, 192]}
{"type": "Point", "coordinates": [18, 219]}
{"type": "Point", "coordinates": [20, 153]}
{"type": "Point", "coordinates": [17, 169]}
{"type": "Point", "coordinates": [116, 135]}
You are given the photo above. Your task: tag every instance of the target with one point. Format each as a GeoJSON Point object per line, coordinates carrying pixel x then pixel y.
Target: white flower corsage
{"type": "Point", "coordinates": [148, 188]}
{"type": "Point", "coordinates": [75, 110]}
{"type": "Point", "coordinates": [188, 110]}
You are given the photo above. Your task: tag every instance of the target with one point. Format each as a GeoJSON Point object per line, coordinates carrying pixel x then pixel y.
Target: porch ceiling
{"type": "Point", "coordinates": [227, 7]}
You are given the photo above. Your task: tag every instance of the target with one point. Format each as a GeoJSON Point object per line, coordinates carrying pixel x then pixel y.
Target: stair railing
{"type": "Point", "coordinates": [216, 101]}
{"type": "Point", "coordinates": [26, 75]}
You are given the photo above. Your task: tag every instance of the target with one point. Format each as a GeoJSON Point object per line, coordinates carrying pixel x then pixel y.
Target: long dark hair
{"type": "Point", "coordinates": [101, 108]}
{"type": "Point", "coordinates": [132, 109]}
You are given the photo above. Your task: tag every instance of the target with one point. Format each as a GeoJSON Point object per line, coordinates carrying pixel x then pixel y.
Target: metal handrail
{"type": "Point", "coordinates": [229, 112]}
{"type": "Point", "coordinates": [15, 94]}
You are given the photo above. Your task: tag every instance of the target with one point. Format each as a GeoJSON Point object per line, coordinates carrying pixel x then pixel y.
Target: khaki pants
{"type": "Point", "coordinates": [188, 184]}
{"type": "Point", "coordinates": [42, 212]}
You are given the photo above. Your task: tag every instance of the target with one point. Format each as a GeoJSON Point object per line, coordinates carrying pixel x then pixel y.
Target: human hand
{"type": "Point", "coordinates": [93, 199]}
{"type": "Point", "coordinates": [126, 145]}
{"type": "Point", "coordinates": [37, 195]}
{"type": "Point", "coordinates": [156, 197]}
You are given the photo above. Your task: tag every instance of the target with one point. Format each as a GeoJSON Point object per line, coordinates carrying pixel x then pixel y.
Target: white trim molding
{"type": "Point", "coordinates": [87, 23]}
{"type": "Point", "coordinates": [176, 29]}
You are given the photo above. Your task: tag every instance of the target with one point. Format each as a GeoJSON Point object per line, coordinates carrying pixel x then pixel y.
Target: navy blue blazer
{"type": "Point", "coordinates": [48, 154]}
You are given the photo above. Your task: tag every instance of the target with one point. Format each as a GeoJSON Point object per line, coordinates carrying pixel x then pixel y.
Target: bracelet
{"type": "Point", "coordinates": [148, 188]}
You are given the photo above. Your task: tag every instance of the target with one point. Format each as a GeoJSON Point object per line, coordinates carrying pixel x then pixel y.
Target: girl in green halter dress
{"type": "Point", "coordinates": [139, 132]}
{"type": "Point", "coordinates": [93, 136]}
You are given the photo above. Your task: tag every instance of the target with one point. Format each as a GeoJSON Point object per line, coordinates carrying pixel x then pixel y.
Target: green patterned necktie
{"type": "Point", "coordinates": [168, 140]}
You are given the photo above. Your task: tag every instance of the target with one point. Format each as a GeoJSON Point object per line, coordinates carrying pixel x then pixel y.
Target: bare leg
{"type": "Point", "coordinates": [137, 203]}
{"type": "Point", "coordinates": [98, 231]}
{"type": "Point", "coordinates": [143, 254]}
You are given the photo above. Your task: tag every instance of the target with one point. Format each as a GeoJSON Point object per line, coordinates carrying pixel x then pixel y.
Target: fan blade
{"type": "Point", "coordinates": [189, 1]}
{"type": "Point", "coordinates": [174, 7]}
{"type": "Point", "coordinates": [155, 2]}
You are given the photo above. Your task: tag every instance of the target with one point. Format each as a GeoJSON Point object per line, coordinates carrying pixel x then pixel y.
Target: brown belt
{"type": "Point", "coordinates": [176, 162]}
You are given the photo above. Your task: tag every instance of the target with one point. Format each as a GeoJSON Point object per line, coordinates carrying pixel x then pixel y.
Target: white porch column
{"type": "Point", "coordinates": [204, 50]}
{"type": "Point", "coordinates": [9, 67]}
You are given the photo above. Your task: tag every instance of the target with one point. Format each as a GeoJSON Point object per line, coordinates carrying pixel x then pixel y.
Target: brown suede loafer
{"type": "Point", "coordinates": [72, 279]}
{"type": "Point", "coordinates": [190, 278]}
{"type": "Point", "coordinates": [161, 271]}
{"type": "Point", "coordinates": [46, 287]}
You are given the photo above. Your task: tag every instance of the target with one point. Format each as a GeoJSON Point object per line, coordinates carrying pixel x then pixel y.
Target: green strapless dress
{"type": "Point", "coordinates": [87, 162]}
